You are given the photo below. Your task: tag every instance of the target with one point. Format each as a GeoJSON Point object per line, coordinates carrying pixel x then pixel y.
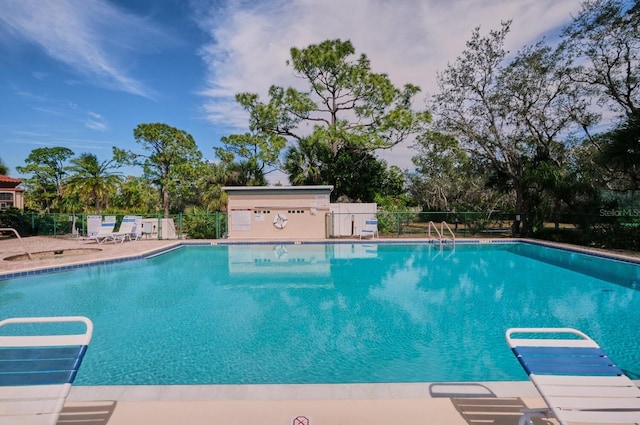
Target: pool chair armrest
{"type": "Point", "coordinates": [47, 340]}
{"type": "Point", "coordinates": [582, 341]}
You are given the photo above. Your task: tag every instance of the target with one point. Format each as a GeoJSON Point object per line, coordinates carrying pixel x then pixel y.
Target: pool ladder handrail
{"type": "Point", "coordinates": [440, 233]}
{"type": "Point", "coordinates": [445, 225]}
{"type": "Point", "coordinates": [11, 229]}
{"type": "Point", "coordinates": [432, 225]}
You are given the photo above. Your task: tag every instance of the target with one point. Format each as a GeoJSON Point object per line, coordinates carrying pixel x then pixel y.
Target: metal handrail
{"type": "Point", "coordinates": [10, 229]}
{"type": "Point", "coordinates": [444, 225]}
{"type": "Point", "coordinates": [430, 225]}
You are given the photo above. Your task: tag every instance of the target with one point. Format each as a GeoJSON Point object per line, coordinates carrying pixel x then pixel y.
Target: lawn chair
{"type": "Point", "coordinates": [37, 371]}
{"type": "Point", "coordinates": [576, 379]}
{"type": "Point", "coordinates": [370, 229]}
{"type": "Point", "coordinates": [104, 232]}
{"type": "Point", "coordinates": [128, 229]}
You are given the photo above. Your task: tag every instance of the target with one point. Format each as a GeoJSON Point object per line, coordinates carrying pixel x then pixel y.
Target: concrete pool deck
{"type": "Point", "coordinates": [353, 404]}
{"type": "Point", "coordinates": [496, 403]}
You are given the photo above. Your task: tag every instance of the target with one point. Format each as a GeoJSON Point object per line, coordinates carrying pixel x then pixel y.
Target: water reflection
{"type": "Point", "coordinates": [325, 313]}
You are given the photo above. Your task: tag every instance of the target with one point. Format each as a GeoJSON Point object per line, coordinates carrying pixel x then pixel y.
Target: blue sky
{"type": "Point", "coordinates": [84, 73]}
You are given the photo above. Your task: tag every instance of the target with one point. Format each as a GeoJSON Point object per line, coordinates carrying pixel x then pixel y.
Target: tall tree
{"type": "Point", "coordinates": [172, 156]}
{"type": "Point", "coordinates": [258, 150]}
{"type": "Point", "coordinates": [604, 38]}
{"type": "Point", "coordinates": [447, 178]}
{"type": "Point", "coordinates": [511, 115]}
{"type": "Point", "coordinates": [358, 176]}
{"type": "Point", "coordinates": [619, 154]}
{"type": "Point", "coordinates": [346, 104]}
{"type": "Point", "coordinates": [137, 195]}
{"type": "Point", "coordinates": [47, 167]}
{"type": "Point", "coordinates": [94, 182]}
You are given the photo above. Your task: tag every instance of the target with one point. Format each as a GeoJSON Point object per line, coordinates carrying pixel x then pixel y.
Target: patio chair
{"type": "Point", "coordinates": [576, 379]}
{"type": "Point", "coordinates": [105, 233]}
{"type": "Point", "coordinates": [370, 229]}
{"type": "Point", "coordinates": [128, 229]}
{"type": "Point", "coordinates": [37, 371]}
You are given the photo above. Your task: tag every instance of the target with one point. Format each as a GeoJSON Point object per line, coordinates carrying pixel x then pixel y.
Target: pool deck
{"type": "Point", "coordinates": [497, 403]}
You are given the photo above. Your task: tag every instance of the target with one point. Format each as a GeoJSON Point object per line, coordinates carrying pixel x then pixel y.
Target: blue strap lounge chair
{"type": "Point", "coordinates": [576, 379]}
{"type": "Point", "coordinates": [104, 232]}
{"type": "Point", "coordinates": [370, 229]}
{"type": "Point", "coordinates": [128, 229]}
{"type": "Point", "coordinates": [37, 371]}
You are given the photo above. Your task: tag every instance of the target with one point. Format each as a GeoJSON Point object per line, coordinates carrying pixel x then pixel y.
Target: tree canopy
{"type": "Point", "coordinates": [92, 181]}
{"type": "Point", "coordinates": [47, 169]}
{"type": "Point", "coordinates": [345, 108]}
{"type": "Point", "coordinates": [509, 115]}
{"type": "Point", "coordinates": [171, 160]}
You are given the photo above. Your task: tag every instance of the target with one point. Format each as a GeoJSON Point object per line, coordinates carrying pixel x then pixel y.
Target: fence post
{"type": "Point", "coordinates": [467, 231]}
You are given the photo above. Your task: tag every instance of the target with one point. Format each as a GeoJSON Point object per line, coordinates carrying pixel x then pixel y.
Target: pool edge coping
{"type": "Point", "coordinates": [216, 242]}
{"type": "Point", "coordinates": [353, 391]}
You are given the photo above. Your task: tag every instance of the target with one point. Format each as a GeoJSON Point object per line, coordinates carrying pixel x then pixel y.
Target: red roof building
{"type": "Point", "coordinates": [11, 196]}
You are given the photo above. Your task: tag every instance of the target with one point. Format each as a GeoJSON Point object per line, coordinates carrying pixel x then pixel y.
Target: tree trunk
{"type": "Point", "coordinates": [165, 201]}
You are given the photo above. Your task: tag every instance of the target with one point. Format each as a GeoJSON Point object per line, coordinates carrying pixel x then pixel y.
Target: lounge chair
{"type": "Point", "coordinates": [128, 229]}
{"type": "Point", "coordinates": [105, 233]}
{"type": "Point", "coordinates": [370, 229]}
{"type": "Point", "coordinates": [37, 371]}
{"type": "Point", "coordinates": [576, 379]}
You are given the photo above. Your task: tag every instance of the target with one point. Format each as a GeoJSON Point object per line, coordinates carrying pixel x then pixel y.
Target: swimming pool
{"type": "Point", "coordinates": [332, 313]}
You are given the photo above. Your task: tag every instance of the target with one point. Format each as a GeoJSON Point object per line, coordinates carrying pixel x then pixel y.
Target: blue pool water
{"type": "Point", "coordinates": [332, 313]}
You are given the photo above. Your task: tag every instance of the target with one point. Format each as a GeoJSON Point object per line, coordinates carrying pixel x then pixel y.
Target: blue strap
{"type": "Point", "coordinates": [39, 353]}
{"type": "Point", "coordinates": [26, 379]}
{"type": "Point", "coordinates": [14, 366]}
{"type": "Point", "coordinates": [40, 366]}
{"type": "Point", "coordinates": [566, 361]}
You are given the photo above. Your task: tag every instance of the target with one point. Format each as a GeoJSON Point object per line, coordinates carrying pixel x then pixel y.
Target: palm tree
{"type": "Point", "coordinates": [305, 163]}
{"type": "Point", "coordinates": [92, 181]}
{"type": "Point", "coordinates": [213, 177]}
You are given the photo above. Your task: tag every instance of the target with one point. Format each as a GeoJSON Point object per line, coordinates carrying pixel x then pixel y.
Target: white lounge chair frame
{"type": "Point", "coordinates": [576, 379]}
{"type": "Point", "coordinates": [370, 229]}
{"type": "Point", "coordinates": [129, 229]}
{"type": "Point", "coordinates": [104, 232]}
{"type": "Point", "coordinates": [36, 372]}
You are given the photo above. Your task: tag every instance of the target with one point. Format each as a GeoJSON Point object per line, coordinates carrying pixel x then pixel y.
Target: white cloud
{"type": "Point", "coordinates": [39, 75]}
{"type": "Point", "coordinates": [95, 122]}
{"type": "Point", "coordinates": [409, 40]}
{"type": "Point", "coordinates": [93, 38]}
